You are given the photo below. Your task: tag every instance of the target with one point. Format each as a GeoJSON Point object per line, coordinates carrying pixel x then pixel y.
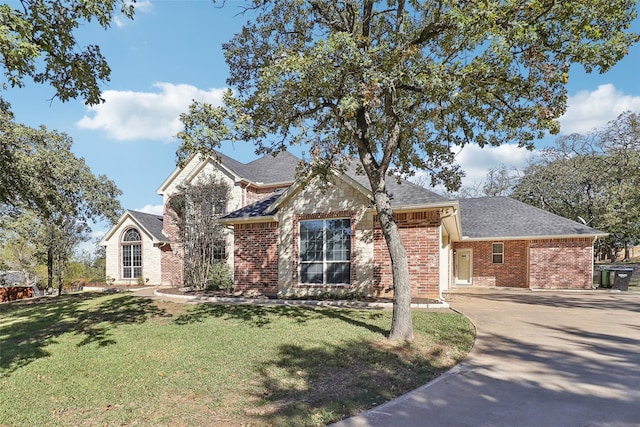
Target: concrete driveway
{"type": "Point", "coordinates": [540, 359]}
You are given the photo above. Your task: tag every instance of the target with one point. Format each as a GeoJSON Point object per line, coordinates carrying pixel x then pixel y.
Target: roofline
{"type": "Point", "coordinates": [118, 224]}
{"type": "Point", "coordinates": [173, 175]}
{"type": "Point", "coordinates": [541, 237]}
{"type": "Point", "coordinates": [434, 205]}
{"type": "Point", "coordinates": [263, 184]}
{"type": "Point", "coordinates": [247, 220]}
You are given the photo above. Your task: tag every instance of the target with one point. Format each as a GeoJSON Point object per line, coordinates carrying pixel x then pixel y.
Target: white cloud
{"type": "Point", "coordinates": [588, 110]}
{"type": "Point", "coordinates": [152, 209]}
{"type": "Point", "coordinates": [128, 115]}
{"type": "Point", "coordinates": [476, 161]}
{"type": "Point", "coordinates": [140, 6]}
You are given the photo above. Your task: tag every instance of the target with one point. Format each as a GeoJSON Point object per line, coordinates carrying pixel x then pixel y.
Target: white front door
{"type": "Point", "coordinates": [464, 266]}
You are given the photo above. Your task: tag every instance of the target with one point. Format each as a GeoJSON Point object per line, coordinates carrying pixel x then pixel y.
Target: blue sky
{"type": "Point", "coordinates": [171, 53]}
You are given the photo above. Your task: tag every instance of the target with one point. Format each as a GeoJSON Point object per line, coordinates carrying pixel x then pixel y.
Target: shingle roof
{"type": "Point", "coordinates": [503, 217]}
{"type": "Point", "coordinates": [255, 210]}
{"type": "Point", "coordinates": [152, 223]}
{"type": "Point", "coordinates": [265, 170]}
{"type": "Point", "coordinates": [404, 193]}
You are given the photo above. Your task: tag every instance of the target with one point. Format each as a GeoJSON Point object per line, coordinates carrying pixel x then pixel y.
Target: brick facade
{"type": "Point", "coordinates": [535, 264]}
{"type": "Point", "coordinates": [256, 257]}
{"type": "Point", "coordinates": [420, 232]}
{"type": "Point", "coordinates": [512, 272]}
{"type": "Point", "coordinates": [561, 264]}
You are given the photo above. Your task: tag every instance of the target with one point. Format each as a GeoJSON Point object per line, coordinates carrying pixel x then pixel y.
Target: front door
{"type": "Point", "coordinates": [464, 266]}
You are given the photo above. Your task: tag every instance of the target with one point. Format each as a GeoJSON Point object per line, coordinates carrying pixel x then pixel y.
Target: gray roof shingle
{"type": "Point", "coordinates": [503, 217]}
{"type": "Point", "coordinates": [403, 193]}
{"type": "Point", "coordinates": [152, 223]}
{"type": "Point", "coordinates": [265, 170]}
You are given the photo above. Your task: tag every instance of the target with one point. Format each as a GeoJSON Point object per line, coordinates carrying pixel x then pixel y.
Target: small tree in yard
{"type": "Point", "coordinates": [197, 208]}
{"type": "Point", "coordinates": [398, 83]}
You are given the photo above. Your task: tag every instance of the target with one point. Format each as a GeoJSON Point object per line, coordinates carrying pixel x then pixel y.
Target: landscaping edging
{"type": "Point", "coordinates": [312, 303]}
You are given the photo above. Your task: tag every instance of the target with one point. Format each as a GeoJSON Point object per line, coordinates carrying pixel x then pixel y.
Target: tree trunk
{"type": "Point", "coordinates": [49, 267]}
{"type": "Point", "coordinates": [401, 323]}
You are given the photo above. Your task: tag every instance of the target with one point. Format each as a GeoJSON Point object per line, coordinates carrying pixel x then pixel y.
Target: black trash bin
{"type": "Point", "coordinates": [621, 278]}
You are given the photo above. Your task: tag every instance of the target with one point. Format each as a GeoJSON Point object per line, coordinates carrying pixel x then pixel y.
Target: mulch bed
{"type": "Point", "coordinates": [225, 294]}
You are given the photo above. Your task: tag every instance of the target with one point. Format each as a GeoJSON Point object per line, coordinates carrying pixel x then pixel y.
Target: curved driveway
{"type": "Point", "coordinates": [540, 359]}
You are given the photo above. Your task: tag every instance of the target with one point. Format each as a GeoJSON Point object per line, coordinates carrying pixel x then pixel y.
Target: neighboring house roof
{"type": "Point", "coordinates": [150, 223]}
{"type": "Point", "coordinates": [502, 217]}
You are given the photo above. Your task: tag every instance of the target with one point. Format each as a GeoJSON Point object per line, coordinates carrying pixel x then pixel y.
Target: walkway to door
{"type": "Point", "coordinates": [540, 359]}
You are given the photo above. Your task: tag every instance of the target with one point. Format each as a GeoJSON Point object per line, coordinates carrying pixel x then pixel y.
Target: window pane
{"type": "Point", "coordinates": [136, 255]}
{"type": "Point", "coordinates": [338, 240]}
{"type": "Point", "coordinates": [497, 259]}
{"type": "Point", "coordinates": [311, 240]}
{"type": "Point", "coordinates": [126, 256]}
{"type": "Point", "coordinates": [137, 272]}
{"type": "Point", "coordinates": [132, 235]}
{"type": "Point", "coordinates": [338, 273]}
{"type": "Point", "coordinates": [311, 272]}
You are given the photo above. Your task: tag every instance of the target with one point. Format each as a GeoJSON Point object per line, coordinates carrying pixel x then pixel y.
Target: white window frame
{"type": "Point", "coordinates": [495, 253]}
{"type": "Point", "coordinates": [326, 263]}
{"type": "Point", "coordinates": [133, 270]}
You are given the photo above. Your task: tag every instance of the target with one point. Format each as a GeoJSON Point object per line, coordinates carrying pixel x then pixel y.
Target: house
{"type": "Point", "coordinates": [292, 237]}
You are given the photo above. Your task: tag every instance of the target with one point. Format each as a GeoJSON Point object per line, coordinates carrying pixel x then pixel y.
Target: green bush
{"type": "Point", "coordinates": [220, 277]}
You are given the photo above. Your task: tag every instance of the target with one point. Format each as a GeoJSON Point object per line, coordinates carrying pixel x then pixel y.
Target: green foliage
{"type": "Point", "coordinates": [593, 178]}
{"type": "Point", "coordinates": [404, 81]}
{"type": "Point", "coordinates": [220, 276]}
{"type": "Point", "coordinates": [37, 40]}
{"type": "Point", "coordinates": [195, 210]}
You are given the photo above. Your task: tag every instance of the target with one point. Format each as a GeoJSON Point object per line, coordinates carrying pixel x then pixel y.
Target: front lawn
{"type": "Point", "coordinates": [95, 360]}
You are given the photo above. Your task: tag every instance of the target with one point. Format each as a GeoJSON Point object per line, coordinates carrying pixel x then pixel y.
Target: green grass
{"type": "Point", "coordinates": [96, 360]}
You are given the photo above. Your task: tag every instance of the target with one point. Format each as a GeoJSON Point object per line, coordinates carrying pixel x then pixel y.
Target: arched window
{"type": "Point", "coordinates": [131, 254]}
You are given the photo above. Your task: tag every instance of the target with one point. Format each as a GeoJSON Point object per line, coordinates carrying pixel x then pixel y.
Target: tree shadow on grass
{"type": "Point", "coordinates": [28, 327]}
{"type": "Point", "coordinates": [262, 316]}
{"type": "Point", "coordinates": [319, 385]}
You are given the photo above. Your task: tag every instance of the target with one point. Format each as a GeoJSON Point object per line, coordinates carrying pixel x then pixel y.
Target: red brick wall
{"type": "Point", "coordinates": [536, 264]}
{"type": "Point", "coordinates": [561, 264]}
{"type": "Point", "coordinates": [11, 293]}
{"type": "Point", "coordinates": [172, 265]}
{"type": "Point", "coordinates": [256, 257]}
{"type": "Point", "coordinates": [511, 273]}
{"type": "Point", "coordinates": [420, 236]}
{"type": "Point", "coordinates": [172, 255]}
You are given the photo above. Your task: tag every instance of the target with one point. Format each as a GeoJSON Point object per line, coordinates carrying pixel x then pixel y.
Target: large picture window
{"type": "Point", "coordinates": [131, 254]}
{"type": "Point", "coordinates": [325, 252]}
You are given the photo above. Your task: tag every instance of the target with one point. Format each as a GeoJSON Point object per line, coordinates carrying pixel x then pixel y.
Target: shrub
{"type": "Point", "coordinates": [220, 277]}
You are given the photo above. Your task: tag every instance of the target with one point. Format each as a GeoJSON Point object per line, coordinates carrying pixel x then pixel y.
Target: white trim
{"type": "Point", "coordinates": [545, 237]}
{"type": "Point", "coordinates": [457, 261]}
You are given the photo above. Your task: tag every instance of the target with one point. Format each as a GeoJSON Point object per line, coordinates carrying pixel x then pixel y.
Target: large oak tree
{"type": "Point", "coordinates": [397, 83]}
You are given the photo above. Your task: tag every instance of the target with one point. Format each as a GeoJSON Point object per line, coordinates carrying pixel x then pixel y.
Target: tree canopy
{"type": "Point", "coordinates": [593, 178]}
{"type": "Point", "coordinates": [37, 40]}
{"type": "Point", "coordinates": [397, 83]}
